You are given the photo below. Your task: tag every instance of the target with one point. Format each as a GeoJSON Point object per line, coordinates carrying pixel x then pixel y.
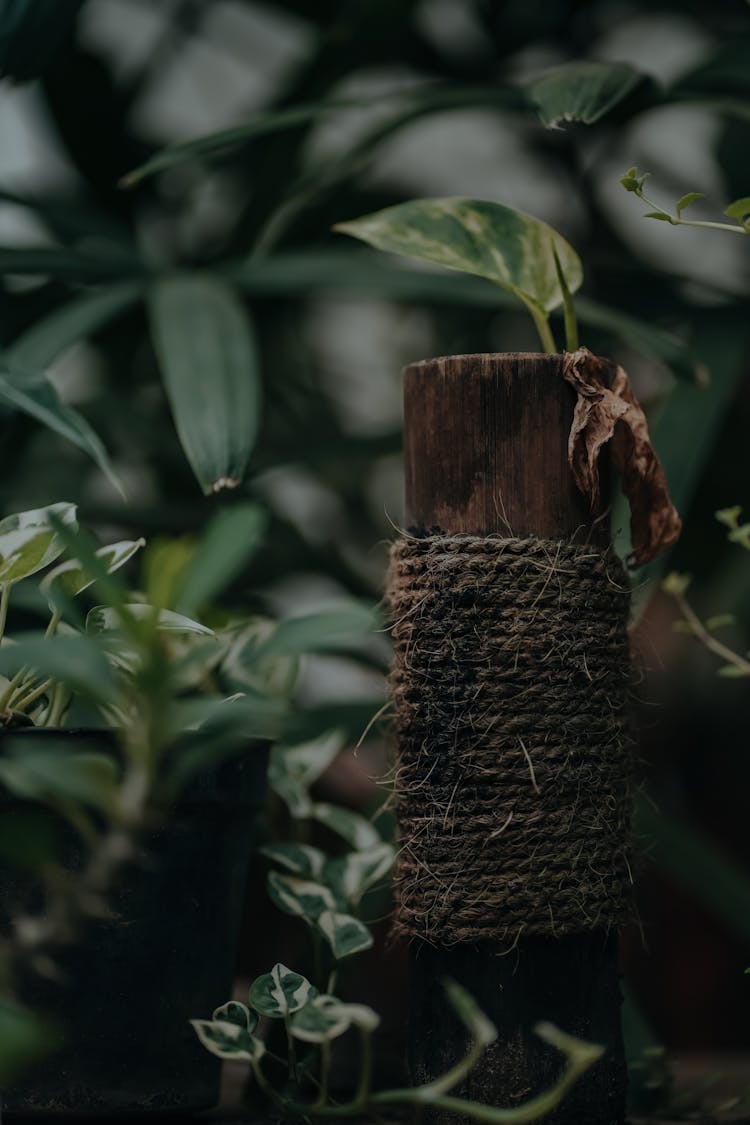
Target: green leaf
{"type": "Point", "coordinates": [52, 775]}
{"type": "Point", "coordinates": [581, 91]}
{"type": "Point", "coordinates": [111, 264]}
{"type": "Point", "coordinates": [206, 350]}
{"type": "Point", "coordinates": [217, 143]}
{"type": "Point", "coordinates": [739, 209]}
{"type": "Point", "coordinates": [281, 992]}
{"type": "Point", "coordinates": [688, 200]}
{"type": "Point", "coordinates": [676, 584]}
{"type": "Point", "coordinates": [320, 632]}
{"type": "Point", "coordinates": [733, 672]}
{"type": "Point", "coordinates": [631, 181]}
{"type": "Point", "coordinates": [357, 831]}
{"type": "Point", "coordinates": [300, 859]}
{"type": "Point", "coordinates": [326, 1017]}
{"type": "Point", "coordinates": [41, 344]}
{"type": "Point", "coordinates": [36, 396]}
{"type": "Point", "coordinates": [229, 542]}
{"type": "Point", "coordinates": [345, 934]}
{"type": "Point", "coordinates": [105, 619]}
{"type": "Point", "coordinates": [662, 216]}
{"type": "Point", "coordinates": [228, 1041]}
{"type": "Point", "coordinates": [355, 873]}
{"type": "Point", "coordinates": [721, 621]}
{"type": "Point", "coordinates": [270, 675]}
{"type": "Point", "coordinates": [293, 769]}
{"type": "Point", "coordinates": [76, 661]}
{"type": "Point", "coordinates": [73, 578]}
{"type": "Point", "coordinates": [730, 517]}
{"type": "Point", "coordinates": [478, 237]}
{"type": "Point", "coordinates": [320, 1021]}
{"type": "Point", "coordinates": [28, 542]}
{"type": "Point", "coordinates": [301, 897]}
{"type": "Point", "coordinates": [236, 1013]}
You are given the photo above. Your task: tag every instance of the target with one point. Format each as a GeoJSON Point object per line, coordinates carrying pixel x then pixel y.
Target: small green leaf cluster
{"type": "Point", "coordinates": [327, 894]}
{"type": "Point", "coordinates": [739, 209]}
{"type": "Point", "coordinates": [324, 893]}
{"type": "Point", "coordinates": [315, 1019]}
{"type": "Point", "coordinates": [735, 665]}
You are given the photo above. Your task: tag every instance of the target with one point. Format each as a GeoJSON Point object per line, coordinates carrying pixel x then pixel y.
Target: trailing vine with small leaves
{"type": "Point", "coordinates": [327, 894]}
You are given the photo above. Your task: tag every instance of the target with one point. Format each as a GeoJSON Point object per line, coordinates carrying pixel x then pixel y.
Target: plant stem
{"type": "Point", "coordinates": [10, 690]}
{"type": "Point", "coordinates": [569, 312]}
{"type": "Point", "coordinates": [701, 633]}
{"type": "Point", "coordinates": [362, 1096]}
{"type": "Point", "coordinates": [291, 1052]}
{"type": "Point", "coordinates": [710, 225]}
{"type": "Point", "coordinates": [4, 600]}
{"type": "Point", "coordinates": [60, 699]}
{"type": "Point", "coordinates": [19, 704]}
{"type": "Point", "coordinates": [325, 1072]}
{"type": "Point", "coordinates": [541, 321]}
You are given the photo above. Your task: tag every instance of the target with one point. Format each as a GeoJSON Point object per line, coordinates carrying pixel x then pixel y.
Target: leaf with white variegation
{"type": "Point", "coordinates": [208, 359]}
{"type": "Point", "coordinates": [293, 769]}
{"type": "Point", "coordinates": [28, 541]}
{"type": "Point", "coordinates": [228, 1041]}
{"type": "Point", "coordinates": [281, 992]}
{"type": "Point", "coordinates": [104, 619]}
{"type": "Point", "coordinates": [302, 897]}
{"type": "Point", "coordinates": [477, 236]}
{"type": "Point", "coordinates": [300, 859]}
{"type": "Point", "coordinates": [583, 91]}
{"type": "Point", "coordinates": [345, 934]}
{"type": "Point", "coordinates": [356, 872]}
{"type": "Point", "coordinates": [236, 1013]}
{"type": "Point", "coordinates": [355, 829]}
{"type": "Point", "coordinates": [327, 1017]}
{"type": "Point", "coordinates": [73, 578]}
{"type": "Point", "coordinates": [75, 660]}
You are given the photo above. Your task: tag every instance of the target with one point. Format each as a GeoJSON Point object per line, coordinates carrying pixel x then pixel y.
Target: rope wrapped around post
{"type": "Point", "coordinates": [511, 685]}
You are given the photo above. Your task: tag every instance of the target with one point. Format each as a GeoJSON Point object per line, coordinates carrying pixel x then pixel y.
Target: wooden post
{"type": "Point", "coordinates": [486, 452]}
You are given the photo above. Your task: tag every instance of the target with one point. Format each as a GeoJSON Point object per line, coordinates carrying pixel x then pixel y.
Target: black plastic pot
{"type": "Point", "coordinates": [165, 955]}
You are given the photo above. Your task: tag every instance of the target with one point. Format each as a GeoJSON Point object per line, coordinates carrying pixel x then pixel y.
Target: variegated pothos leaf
{"type": "Point", "coordinates": [281, 992]}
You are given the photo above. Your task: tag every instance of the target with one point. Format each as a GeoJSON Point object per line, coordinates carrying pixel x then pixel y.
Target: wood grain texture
{"type": "Point", "coordinates": [485, 443]}
{"type": "Point", "coordinates": [486, 447]}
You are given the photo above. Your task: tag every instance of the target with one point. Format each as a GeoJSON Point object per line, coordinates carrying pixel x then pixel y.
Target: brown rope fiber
{"type": "Point", "coordinates": [511, 686]}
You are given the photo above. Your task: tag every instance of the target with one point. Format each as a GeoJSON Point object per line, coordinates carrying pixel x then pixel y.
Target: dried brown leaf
{"type": "Point", "coordinates": [607, 411]}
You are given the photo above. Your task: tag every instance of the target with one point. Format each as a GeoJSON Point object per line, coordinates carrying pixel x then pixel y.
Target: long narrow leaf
{"type": "Point", "coordinates": [71, 265]}
{"type": "Point", "coordinates": [36, 396]}
{"type": "Point", "coordinates": [39, 345]}
{"type": "Point", "coordinates": [212, 144]}
{"type": "Point", "coordinates": [206, 348]}
{"type": "Point", "coordinates": [228, 543]}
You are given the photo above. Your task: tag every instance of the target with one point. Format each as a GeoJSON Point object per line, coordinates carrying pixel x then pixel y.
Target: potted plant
{"type": "Point", "coordinates": [130, 804]}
